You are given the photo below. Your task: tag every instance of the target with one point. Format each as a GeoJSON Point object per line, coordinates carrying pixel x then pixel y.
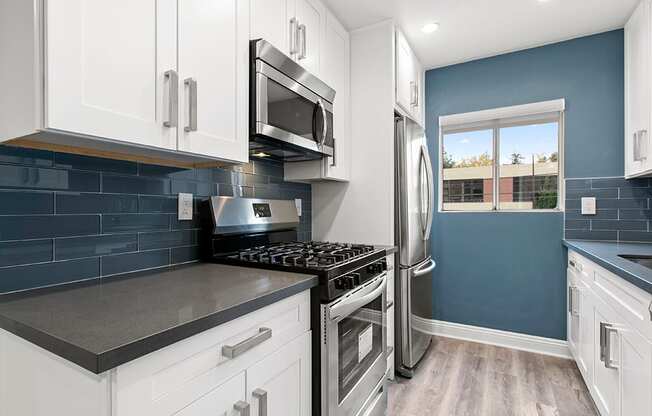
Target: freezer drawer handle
{"type": "Point", "coordinates": [425, 269]}
{"type": "Point", "coordinates": [233, 351]}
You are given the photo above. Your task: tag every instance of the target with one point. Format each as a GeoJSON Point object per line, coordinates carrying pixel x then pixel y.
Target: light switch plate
{"type": "Point", "coordinates": [588, 206]}
{"type": "Point", "coordinates": [297, 202]}
{"type": "Point", "coordinates": [185, 206]}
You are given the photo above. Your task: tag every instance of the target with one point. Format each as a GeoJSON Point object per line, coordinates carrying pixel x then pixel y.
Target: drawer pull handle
{"type": "Point", "coordinates": [606, 330]}
{"type": "Point", "coordinates": [242, 408]}
{"type": "Point", "coordinates": [233, 351]}
{"type": "Point", "coordinates": [261, 395]}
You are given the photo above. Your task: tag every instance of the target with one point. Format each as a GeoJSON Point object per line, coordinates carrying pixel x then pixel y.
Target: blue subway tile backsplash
{"type": "Point", "coordinates": [66, 217]}
{"type": "Point", "coordinates": [624, 210]}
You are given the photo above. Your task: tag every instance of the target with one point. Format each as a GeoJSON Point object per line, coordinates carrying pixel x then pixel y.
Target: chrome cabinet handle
{"type": "Point", "coordinates": [570, 299]}
{"type": "Point", "coordinates": [642, 146]}
{"type": "Point", "coordinates": [411, 92]}
{"type": "Point", "coordinates": [416, 93]}
{"type": "Point", "coordinates": [242, 408]}
{"type": "Point", "coordinates": [233, 351]}
{"type": "Point", "coordinates": [173, 98]}
{"type": "Point", "coordinates": [302, 38]}
{"type": "Point", "coordinates": [635, 146]}
{"type": "Point", "coordinates": [191, 83]}
{"type": "Point", "coordinates": [650, 309]}
{"type": "Point", "coordinates": [261, 395]}
{"type": "Point", "coordinates": [606, 330]}
{"type": "Point", "coordinates": [293, 36]}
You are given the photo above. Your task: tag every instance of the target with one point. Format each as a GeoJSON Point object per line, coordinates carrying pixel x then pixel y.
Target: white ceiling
{"type": "Point", "coordinates": [472, 29]}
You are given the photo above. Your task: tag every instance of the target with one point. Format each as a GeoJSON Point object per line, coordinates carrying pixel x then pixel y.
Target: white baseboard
{"type": "Point", "coordinates": [540, 345]}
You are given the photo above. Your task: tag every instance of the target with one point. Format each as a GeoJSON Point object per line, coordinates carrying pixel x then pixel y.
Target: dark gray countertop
{"type": "Point", "coordinates": [606, 254]}
{"type": "Point", "coordinates": [102, 324]}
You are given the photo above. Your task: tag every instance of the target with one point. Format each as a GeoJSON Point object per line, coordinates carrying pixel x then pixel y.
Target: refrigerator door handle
{"type": "Point", "coordinates": [425, 269]}
{"type": "Point", "coordinates": [425, 157]}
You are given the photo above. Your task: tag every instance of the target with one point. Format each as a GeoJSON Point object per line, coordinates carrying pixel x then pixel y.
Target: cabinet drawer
{"type": "Point", "coordinates": [582, 267]}
{"type": "Point", "coordinates": [166, 381]}
{"type": "Point", "coordinates": [630, 302]}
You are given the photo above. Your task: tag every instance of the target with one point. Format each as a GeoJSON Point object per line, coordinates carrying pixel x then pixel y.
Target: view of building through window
{"type": "Point", "coordinates": [527, 168]}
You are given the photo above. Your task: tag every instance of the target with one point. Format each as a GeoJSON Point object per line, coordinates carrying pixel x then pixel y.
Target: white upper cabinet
{"type": "Point", "coordinates": [409, 79]}
{"type": "Point", "coordinates": [166, 79]}
{"type": "Point", "coordinates": [638, 87]}
{"type": "Point", "coordinates": [214, 78]}
{"type": "Point", "coordinates": [105, 69]}
{"type": "Point", "coordinates": [293, 26]}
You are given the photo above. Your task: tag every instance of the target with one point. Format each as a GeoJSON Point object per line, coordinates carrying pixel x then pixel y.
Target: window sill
{"type": "Point", "coordinates": [504, 211]}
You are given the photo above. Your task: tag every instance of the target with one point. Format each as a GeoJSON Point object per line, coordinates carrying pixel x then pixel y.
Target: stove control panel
{"type": "Point", "coordinates": [342, 284]}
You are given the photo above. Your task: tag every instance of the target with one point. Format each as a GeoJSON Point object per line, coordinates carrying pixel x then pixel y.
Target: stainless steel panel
{"type": "Point", "coordinates": [237, 215]}
{"type": "Point", "coordinates": [377, 403]}
{"type": "Point", "coordinates": [263, 50]}
{"type": "Point", "coordinates": [293, 139]}
{"type": "Point", "coordinates": [415, 301]}
{"type": "Point", "coordinates": [414, 193]}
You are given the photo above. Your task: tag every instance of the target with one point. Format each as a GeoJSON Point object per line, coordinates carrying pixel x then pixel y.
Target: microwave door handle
{"type": "Point", "coordinates": [324, 130]}
{"type": "Point", "coordinates": [347, 306]}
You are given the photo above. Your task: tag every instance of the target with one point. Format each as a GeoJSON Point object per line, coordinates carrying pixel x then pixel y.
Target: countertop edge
{"type": "Point", "coordinates": [100, 363]}
{"type": "Point", "coordinates": [624, 274]}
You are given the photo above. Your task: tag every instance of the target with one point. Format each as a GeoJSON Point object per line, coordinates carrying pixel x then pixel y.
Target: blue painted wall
{"type": "Point", "coordinates": [506, 270]}
{"type": "Point", "coordinates": [65, 217]}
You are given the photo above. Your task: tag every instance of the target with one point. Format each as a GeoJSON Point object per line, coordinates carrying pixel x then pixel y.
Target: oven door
{"type": "Point", "coordinates": [292, 123]}
{"type": "Point", "coordinates": [353, 349]}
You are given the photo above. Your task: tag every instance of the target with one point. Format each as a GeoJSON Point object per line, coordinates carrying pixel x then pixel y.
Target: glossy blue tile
{"type": "Point", "coordinates": [135, 185]}
{"type": "Point", "coordinates": [619, 225]}
{"type": "Point", "coordinates": [95, 203]}
{"type": "Point", "coordinates": [602, 214]}
{"type": "Point", "coordinates": [127, 223]}
{"type": "Point", "coordinates": [25, 252]}
{"type": "Point", "coordinates": [591, 235]}
{"type": "Point", "coordinates": [635, 193]}
{"type": "Point", "coordinates": [267, 191]}
{"type": "Point", "coordinates": [46, 226]}
{"type": "Point", "coordinates": [167, 239]}
{"type": "Point", "coordinates": [268, 169]}
{"type": "Point", "coordinates": [578, 184]}
{"type": "Point", "coordinates": [635, 236]}
{"type": "Point", "coordinates": [596, 193]}
{"type": "Point", "coordinates": [23, 156]}
{"type": "Point", "coordinates": [70, 161]}
{"type": "Point", "coordinates": [26, 203]}
{"type": "Point", "coordinates": [635, 214]}
{"type": "Point", "coordinates": [185, 254]}
{"type": "Point", "coordinates": [167, 172]}
{"type": "Point", "coordinates": [195, 188]}
{"type": "Point", "coordinates": [125, 263]}
{"type": "Point", "coordinates": [577, 224]}
{"type": "Point", "coordinates": [47, 274]}
{"type": "Point", "coordinates": [49, 179]}
{"type": "Point", "coordinates": [227, 177]}
{"type": "Point", "coordinates": [177, 224]}
{"type": "Point", "coordinates": [78, 247]}
{"type": "Point", "coordinates": [157, 204]}
{"type": "Point", "coordinates": [620, 183]}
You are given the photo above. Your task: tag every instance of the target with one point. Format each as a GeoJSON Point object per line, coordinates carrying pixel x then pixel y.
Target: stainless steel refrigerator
{"type": "Point", "coordinates": [414, 202]}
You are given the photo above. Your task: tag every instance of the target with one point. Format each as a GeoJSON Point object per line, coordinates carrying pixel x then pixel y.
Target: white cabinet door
{"type": "Point", "coordinates": [272, 20]}
{"type": "Point", "coordinates": [405, 71]}
{"type": "Point", "coordinates": [310, 15]}
{"type": "Point", "coordinates": [636, 373]}
{"type": "Point", "coordinates": [584, 355]}
{"type": "Point", "coordinates": [214, 78]}
{"type": "Point", "coordinates": [573, 315]}
{"type": "Point", "coordinates": [282, 381]}
{"type": "Point", "coordinates": [336, 73]}
{"type": "Point", "coordinates": [637, 91]}
{"type": "Point", "coordinates": [605, 382]}
{"type": "Point", "coordinates": [106, 62]}
{"type": "Point", "coordinates": [221, 401]}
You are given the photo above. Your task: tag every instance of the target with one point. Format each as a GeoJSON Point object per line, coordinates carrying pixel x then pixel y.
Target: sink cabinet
{"type": "Point", "coordinates": [610, 337]}
{"type": "Point", "coordinates": [195, 376]}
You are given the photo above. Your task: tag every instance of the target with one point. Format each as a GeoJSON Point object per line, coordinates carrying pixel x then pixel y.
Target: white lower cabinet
{"type": "Point", "coordinates": [609, 338]}
{"type": "Point", "coordinates": [223, 400]}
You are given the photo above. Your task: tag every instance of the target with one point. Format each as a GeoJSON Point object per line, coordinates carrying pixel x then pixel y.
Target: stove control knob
{"type": "Point", "coordinates": [340, 283]}
{"type": "Point", "coordinates": [352, 280]}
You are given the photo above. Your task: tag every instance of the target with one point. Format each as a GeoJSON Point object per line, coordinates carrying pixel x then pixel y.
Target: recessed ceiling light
{"type": "Point", "coordinates": [430, 27]}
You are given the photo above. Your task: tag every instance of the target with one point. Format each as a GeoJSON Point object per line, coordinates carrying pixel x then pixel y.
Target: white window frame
{"type": "Point", "coordinates": [494, 119]}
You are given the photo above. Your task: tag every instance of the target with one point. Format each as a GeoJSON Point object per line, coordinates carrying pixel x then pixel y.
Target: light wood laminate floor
{"type": "Point", "coordinates": [459, 378]}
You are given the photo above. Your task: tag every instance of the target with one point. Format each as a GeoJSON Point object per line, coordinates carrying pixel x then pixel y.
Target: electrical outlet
{"type": "Point", "coordinates": [588, 206]}
{"type": "Point", "coordinates": [185, 206]}
{"type": "Point", "coordinates": [297, 203]}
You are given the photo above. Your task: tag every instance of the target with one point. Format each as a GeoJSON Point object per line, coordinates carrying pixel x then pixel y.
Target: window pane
{"type": "Point", "coordinates": [529, 167]}
{"type": "Point", "coordinates": [468, 171]}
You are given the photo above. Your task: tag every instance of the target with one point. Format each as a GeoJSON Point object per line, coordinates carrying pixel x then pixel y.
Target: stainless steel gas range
{"type": "Point", "coordinates": [349, 318]}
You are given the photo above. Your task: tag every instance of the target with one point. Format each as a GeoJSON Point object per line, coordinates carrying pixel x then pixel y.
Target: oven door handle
{"type": "Point", "coordinates": [361, 298]}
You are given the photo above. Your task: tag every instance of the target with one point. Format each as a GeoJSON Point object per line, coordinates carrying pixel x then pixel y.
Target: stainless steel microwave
{"type": "Point", "coordinates": [291, 117]}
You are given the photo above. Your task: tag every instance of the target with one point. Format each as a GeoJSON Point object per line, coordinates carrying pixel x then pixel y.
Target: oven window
{"type": "Point", "coordinates": [293, 113]}
{"type": "Point", "coordinates": [360, 343]}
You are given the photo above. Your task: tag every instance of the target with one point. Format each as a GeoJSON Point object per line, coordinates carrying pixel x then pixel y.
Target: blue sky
{"type": "Point", "coordinates": [528, 140]}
